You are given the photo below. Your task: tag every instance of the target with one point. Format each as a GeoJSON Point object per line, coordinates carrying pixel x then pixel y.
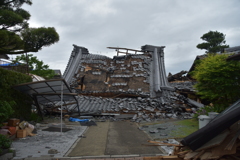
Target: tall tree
{"type": "Point", "coordinates": [218, 80]}
{"type": "Point", "coordinates": [16, 36]}
{"type": "Point", "coordinates": [36, 38]}
{"type": "Point", "coordinates": [215, 42]}
{"type": "Point", "coordinates": [36, 66]}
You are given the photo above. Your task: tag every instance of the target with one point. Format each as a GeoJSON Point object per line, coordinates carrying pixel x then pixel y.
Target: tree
{"type": "Point", "coordinates": [16, 36]}
{"type": "Point", "coordinates": [36, 66]}
{"type": "Point", "coordinates": [215, 42]}
{"type": "Point", "coordinates": [35, 38]}
{"type": "Point", "coordinates": [218, 80]}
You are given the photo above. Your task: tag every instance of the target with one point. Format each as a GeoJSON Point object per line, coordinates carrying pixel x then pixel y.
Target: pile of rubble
{"type": "Point", "coordinates": [225, 146]}
{"type": "Point", "coordinates": [172, 105]}
{"type": "Point", "coordinates": [186, 86]}
{"type": "Point", "coordinates": [180, 76]}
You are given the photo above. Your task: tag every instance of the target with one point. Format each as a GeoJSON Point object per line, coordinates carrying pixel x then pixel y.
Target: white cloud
{"type": "Point", "coordinates": [95, 24]}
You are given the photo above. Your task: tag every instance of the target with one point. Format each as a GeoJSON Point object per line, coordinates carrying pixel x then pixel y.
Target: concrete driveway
{"type": "Point", "coordinates": [113, 138]}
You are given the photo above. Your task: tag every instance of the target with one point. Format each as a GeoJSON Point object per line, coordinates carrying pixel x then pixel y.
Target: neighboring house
{"type": "Point", "coordinates": [234, 57]}
{"type": "Point", "coordinates": [9, 65]}
{"type": "Point", "coordinates": [235, 51]}
{"type": "Point", "coordinates": [3, 56]}
{"type": "Point", "coordinates": [199, 57]}
{"type": "Point", "coordinates": [4, 59]}
{"type": "Point", "coordinates": [36, 77]}
{"type": "Point", "coordinates": [58, 74]}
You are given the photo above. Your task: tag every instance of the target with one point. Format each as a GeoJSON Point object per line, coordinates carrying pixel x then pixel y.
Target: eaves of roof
{"type": "Point", "coordinates": [234, 57]}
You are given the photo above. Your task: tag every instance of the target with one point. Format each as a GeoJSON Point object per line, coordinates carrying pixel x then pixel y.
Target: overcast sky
{"type": "Point", "coordinates": [98, 24]}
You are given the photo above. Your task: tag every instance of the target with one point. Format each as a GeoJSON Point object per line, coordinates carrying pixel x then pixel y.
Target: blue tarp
{"type": "Point", "coordinates": [10, 64]}
{"type": "Point", "coordinates": [78, 120]}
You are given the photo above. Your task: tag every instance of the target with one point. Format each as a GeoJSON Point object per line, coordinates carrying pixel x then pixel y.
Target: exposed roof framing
{"type": "Point", "coordinates": [48, 91]}
{"type": "Point", "coordinates": [125, 50]}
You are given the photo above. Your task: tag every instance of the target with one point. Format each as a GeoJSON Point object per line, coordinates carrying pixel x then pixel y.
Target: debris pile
{"type": "Point", "coordinates": [225, 146]}
{"type": "Point", "coordinates": [218, 140]}
{"type": "Point", "coordinates": [143, 109]}
{"type": "Point", "coordinates": [17, 129]}
{"type": "Point", "coordinates": [180, 76]}
{"type": "Point", "coordinates": [186, 86]}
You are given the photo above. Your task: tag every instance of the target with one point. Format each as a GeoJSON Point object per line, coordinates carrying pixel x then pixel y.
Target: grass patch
{"type": "Point", "coordinates": [186, 127]}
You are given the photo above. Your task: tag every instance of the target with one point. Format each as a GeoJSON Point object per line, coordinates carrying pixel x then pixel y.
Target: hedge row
{"type": "Point", "coordinates": [22, 107]}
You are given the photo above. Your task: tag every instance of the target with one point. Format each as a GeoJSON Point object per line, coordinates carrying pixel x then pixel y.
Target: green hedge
{"type": "Point", "coordinates": [22, 102]}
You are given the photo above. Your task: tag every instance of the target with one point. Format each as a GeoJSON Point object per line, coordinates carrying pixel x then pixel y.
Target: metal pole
{"type": "Point", "coordinates": [61, 102]}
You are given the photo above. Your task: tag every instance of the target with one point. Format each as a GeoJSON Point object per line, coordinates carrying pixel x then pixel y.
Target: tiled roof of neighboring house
{"type": "Point", "coordinates": [232, 49]}
{"type": "Point", "coordinates": [199, 57]}
{"type": "Point", "coordinates": [234, 57]}
{"type": "Point", "coordinates": [58, 73]}
{"type": "Point", "coordinates": [235, 51]}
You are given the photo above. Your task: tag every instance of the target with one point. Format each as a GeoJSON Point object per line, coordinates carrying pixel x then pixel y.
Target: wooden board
{"type": "Point", "coordinates": [190, 155]}
{"type": "Point", "coordinates": [220, 150]}
{"type": "Point", "coordinates": [206, 156]}
{"type": "Point", "coordinates": [171, 158]}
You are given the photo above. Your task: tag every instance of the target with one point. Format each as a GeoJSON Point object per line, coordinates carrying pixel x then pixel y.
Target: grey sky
{"type": "Point", "coordinates": [98, 24]}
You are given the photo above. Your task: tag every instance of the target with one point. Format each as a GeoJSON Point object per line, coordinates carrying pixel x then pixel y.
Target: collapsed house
{"type": "Point", "coordinates": [130, 83]}
{"type": "Point", "coordinates": [133, 83]}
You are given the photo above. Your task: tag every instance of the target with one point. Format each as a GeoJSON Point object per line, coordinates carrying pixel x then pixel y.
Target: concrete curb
{"type": "Point", "coordinates": [135, 156]}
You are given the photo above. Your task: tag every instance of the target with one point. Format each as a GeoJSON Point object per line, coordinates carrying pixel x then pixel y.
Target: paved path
{"type": "Point", "coordinates": [95, 142]}
{"type": "Point", "coordinates": [124, 138]}
{"type": "Point", "coordinates": [114, 138]}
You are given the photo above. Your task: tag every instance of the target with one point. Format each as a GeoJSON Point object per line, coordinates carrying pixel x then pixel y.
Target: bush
{"type": "Point", "coordinates": [5, 143]}
{"type": "Point", "coordinates": [218, 80]}
{"type": "Point", "coordinates": [35, 117]}
{"type": "Point", "coordinates": [5, 110]}
{"type": "Point", "coordinates": [204, 111]}
{"type": "Point", "coordinates": [8, 79]}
